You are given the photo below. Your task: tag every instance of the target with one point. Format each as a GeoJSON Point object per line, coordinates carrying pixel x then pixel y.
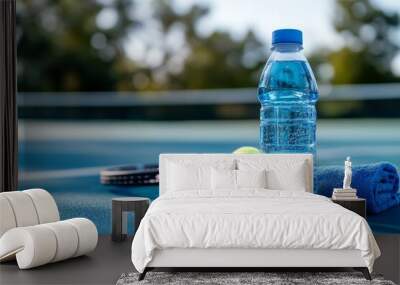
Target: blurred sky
{"type": "Point", "coordinates": [263, 16]}
{"type": "Point", "coordinates": [313, 17]}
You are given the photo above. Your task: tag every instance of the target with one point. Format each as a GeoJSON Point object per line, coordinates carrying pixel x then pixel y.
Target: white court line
{"type": "Point", "coordinates": [198, 131]}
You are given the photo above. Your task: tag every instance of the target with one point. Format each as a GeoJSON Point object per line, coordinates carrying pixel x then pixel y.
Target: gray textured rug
{"type": "Point", "coordinates": [229, 278]}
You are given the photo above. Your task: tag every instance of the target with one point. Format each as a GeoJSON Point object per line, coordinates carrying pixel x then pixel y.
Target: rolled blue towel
{"type": "Point", "coordinates": [378, 183]}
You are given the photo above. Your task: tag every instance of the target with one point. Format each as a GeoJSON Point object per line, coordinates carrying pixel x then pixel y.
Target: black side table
{"type": "Point", "coordinates": [357, 205]}
{"type": "Point", "coordinates": [120, 209]}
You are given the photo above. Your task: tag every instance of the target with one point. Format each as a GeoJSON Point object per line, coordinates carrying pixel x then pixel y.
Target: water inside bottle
{"type": "Point", "coordinates": [288, 93]}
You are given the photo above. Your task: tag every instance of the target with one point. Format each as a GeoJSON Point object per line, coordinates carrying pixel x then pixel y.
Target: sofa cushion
{"type": "Point", "coordinates": [7, 220]}
{"type": "Point", "coordinates": [26, 208]}
{"type": "Point", "coordinates": [23, 208]}
{"type": "Point", "coordinates": [41, 244]}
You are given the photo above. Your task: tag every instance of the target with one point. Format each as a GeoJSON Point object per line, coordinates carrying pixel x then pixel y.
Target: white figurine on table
{"type": "Point", "coordinates": [345, 193]}
{"type": "Point", "coordinates": [347, 174]}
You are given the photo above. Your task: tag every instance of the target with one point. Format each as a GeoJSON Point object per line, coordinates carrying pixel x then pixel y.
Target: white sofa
{"type": "Point", "coordinates": [31, 231]}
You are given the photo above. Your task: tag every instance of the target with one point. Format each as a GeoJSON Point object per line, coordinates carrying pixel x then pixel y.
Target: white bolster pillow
{"type": "Point", "coordinates": [7, 218]}
{"type": "Point", "coordinates": [87, 235]}
{"type": "Point", "coordinates": [45, 206]}
{"type": "Point", "coordinates": [26, 208]}
{"type": "Point", "coordinates": [23, 209]}
{"type": "Point", "coordinates": [67, 240]}
{"type": "Point", "coordinates": [40, 244]}
{"type": "Point", "coordinates": [32, 246]}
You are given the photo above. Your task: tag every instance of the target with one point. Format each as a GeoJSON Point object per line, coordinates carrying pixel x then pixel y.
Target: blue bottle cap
{"type": "Point", "coordinates": [287, 36]}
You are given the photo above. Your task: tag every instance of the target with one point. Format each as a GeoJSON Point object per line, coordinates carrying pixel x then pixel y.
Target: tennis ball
{"type": "Point", "coordinates": [247, 150]}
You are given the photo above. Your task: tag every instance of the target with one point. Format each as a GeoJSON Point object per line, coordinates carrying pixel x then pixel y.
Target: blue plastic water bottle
{"type": "Point", "coordinates": [287, 92]}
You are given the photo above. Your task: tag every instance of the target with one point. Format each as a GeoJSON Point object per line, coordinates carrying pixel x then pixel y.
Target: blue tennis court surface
{"type": "Point", "coordinates": [65, 157]}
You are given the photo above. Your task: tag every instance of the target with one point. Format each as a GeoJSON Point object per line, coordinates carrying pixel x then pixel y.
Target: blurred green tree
{"type": "Point", "coordinates": [93, 46]}
{"type": "Point", "coordinates": [68, 45]}
{"type": "Point", "coordinates": [370, 43]}
{"type": "Point", "coordinates": [84, 46]}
